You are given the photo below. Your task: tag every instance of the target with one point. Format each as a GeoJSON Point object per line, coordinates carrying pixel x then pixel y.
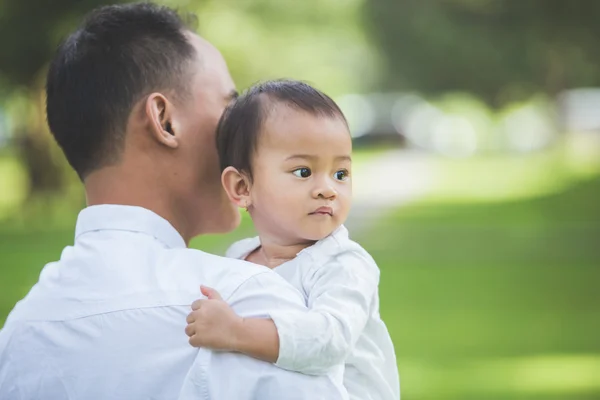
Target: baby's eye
{"type": "Point", "coordinates": [302, 172]}
{"type": "Point", "coordinates": [341, 175]}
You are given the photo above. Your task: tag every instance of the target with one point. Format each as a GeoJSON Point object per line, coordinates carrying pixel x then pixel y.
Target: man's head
{"type": "Point", "coordinates": [285, 152]}
{"type": "Point", "coordinates": [134, 96]}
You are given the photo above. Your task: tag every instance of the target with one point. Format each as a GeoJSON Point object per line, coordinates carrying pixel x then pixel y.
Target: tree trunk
{"type": "Point", "coordinates": [38, 151]}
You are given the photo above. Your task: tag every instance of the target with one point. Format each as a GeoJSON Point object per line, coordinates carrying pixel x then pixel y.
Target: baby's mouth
{"type": "Point", "coordinates": [323, 211]}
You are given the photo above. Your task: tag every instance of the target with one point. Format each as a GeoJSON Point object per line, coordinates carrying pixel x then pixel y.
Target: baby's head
{"type": "Point", "coordinates": [285, 152]}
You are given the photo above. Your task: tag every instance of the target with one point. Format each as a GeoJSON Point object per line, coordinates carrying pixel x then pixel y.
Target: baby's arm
{"type": "Point", "coordinates": [311, 342]}
{"type": "Point", "coordinates": [213, 324]}
{"type": "Point", "coordinates": [340, 297]}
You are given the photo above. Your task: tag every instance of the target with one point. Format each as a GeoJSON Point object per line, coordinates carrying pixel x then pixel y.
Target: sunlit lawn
{"type": "Point", "coordinates": [495, 300]}
{"type": "Point", "coordinates": [490, 283]}
{"type": "Point", "coordinates": [484, 300]}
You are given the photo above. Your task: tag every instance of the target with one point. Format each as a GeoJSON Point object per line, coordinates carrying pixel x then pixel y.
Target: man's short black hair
{"type": "Point", "coordinates": [118, 55]}
{"type": "Point", "coordinates": [241, 123]}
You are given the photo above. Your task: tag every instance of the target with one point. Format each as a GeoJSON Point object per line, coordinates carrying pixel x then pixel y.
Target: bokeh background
{"type": "Point", "coordinates": [477, 170]}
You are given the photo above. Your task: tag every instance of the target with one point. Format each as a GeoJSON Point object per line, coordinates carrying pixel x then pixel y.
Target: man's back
{"type": "Point", "coordinates": [108, 319]}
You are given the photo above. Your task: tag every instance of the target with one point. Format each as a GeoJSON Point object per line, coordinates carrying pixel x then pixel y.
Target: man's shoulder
{"type": "Point", "coordinates": [169, 277]}
{"type": "Point", "coordinates": [252, 290]}
{"type": "Point", "coordinates": [189, 256]}
{"type": "Point", "coordinates": [242, 248]}
{"type": "Point", "coordinates": [223, 273]}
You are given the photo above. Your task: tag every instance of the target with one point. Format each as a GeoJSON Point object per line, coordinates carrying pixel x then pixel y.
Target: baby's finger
{"type": "Point", "coordinates": [190, 318]}
{"type": "Point", "coordinates": [190, 330]}
{"type": "Point", "coordinates": [193, 341]}
{"type": "Point", "coordinates": [197, 304]}
{"type": "Point", "coordinates": [210, 293]}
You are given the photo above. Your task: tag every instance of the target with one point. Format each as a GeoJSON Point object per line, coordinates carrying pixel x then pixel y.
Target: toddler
{"type": "Point", "coordinates": [285, 151]}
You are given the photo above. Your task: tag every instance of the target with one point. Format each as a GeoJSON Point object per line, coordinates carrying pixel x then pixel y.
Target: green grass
{"type": "Point", "coordinates": [490, 300]}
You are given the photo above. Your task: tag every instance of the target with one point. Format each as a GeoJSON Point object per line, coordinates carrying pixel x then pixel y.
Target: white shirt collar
{"type": "Point", "coordinates": [127, 218]}
{"type": "Point", "coordinates": [331, 243]}
{"type": "Point", "coordinates": [334, 240]}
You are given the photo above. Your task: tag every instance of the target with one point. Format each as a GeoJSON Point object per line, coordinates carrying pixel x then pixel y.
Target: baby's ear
{"type": "Point", "coordinates": [237, 185]}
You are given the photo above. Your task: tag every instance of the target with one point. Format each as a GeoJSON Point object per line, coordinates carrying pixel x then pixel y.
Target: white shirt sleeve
{"type": "Point", "coordinates": [223, 375]}
{"type": "Point", "coordinates": [340, 295]}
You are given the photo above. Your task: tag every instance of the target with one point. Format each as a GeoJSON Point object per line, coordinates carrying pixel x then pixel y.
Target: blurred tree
{"type": "Point", "coordinates": [321, 41]}
{"type": "Point", "coordinates": [499, 50]}
{"type": "Point", "coordinates": [29, 32]}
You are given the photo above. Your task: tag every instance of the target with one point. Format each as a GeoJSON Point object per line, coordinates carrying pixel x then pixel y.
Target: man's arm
{"type": "Point", "coordinates": [236, 376]}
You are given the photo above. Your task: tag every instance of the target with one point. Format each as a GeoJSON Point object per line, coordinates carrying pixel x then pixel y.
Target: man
{"type": "Point", "coordinates": [133, 99]}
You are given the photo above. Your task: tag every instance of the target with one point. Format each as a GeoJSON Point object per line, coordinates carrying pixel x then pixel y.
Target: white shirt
{"type": "Point", "coordinates": [339, 281]}
{"type": "Point", "coordinates": [107, 321]}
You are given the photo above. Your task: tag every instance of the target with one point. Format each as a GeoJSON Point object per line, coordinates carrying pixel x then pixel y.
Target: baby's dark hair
{"type": "Point", "coordinates": [241, 123]}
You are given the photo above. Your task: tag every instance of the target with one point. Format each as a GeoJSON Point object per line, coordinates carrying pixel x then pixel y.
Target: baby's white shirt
{"type": "Point", "coordinates": [339, 280]}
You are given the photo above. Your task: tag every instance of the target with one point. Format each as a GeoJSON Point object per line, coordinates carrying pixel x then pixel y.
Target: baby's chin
{"type": "Point", "coordinates": [314, 234]}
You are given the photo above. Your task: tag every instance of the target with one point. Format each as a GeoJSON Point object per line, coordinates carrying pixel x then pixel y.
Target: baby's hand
{"type": "Point", "coordinates": [212, 323]}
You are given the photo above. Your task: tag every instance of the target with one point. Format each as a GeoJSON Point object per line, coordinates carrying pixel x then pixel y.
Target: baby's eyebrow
{"type": "Point", "coordinates": [302, 156]}
{"type": "Point", "coordinates": [312, 157]}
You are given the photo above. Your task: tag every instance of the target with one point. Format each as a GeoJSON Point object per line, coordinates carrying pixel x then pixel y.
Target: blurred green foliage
{"type": "Point", "coordinates": [501, 51]}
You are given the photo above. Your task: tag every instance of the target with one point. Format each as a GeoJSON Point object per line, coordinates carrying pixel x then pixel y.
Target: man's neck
{"type": "Point", "coordinates": [108, 186]}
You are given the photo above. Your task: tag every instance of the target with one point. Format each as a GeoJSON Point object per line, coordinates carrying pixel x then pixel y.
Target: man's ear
{"type": "Point", "coordinates": [237, 185]}
{"type": "Point", "coordinates": [160, 117]}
